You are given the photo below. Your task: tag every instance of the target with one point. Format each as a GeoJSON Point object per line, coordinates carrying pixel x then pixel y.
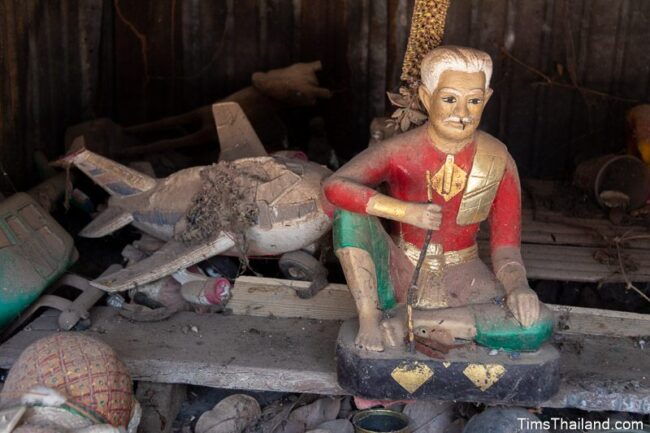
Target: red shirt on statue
{"type": "Point", "coordinates": [402, 163]}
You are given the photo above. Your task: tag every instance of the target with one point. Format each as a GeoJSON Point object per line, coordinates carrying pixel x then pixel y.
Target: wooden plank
{"type": "Point", "coordinates": [603, 374]}
{"type": "Point", "coordinates": [232, 352]}
{"type": "Point", "coordinates": [297, 355]}
{"type": "Point", "coordinates": [277, 298]}
{"type": "Point", "coordinates": [595, 229]}
{"type": "Point", "coordinates": [567, 263]}
{"type": "Point", "coordinates": [574, 225]}
{"type": "Point", "coordinates": [554, 229]}
{"type": "Point", "coordinates": [597, 322]}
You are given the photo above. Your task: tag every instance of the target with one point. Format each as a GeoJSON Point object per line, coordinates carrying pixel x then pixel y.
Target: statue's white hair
{"type": "Point", "coordinates": [451, 58]}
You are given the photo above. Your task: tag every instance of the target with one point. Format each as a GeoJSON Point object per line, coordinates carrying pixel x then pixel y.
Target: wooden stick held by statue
{"type": "Point", "coordinates": [416, 274]}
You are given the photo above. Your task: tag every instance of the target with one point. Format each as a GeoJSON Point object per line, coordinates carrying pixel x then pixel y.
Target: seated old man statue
{"type": "Point", "coordinates": [448, 177]}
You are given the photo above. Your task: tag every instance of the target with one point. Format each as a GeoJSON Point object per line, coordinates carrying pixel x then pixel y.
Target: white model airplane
{"type": "Point", "coordinates": [290, 211]}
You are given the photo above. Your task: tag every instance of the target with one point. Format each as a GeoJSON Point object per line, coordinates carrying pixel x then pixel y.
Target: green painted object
{"type": "Point", "coordinates": [34, 251]}
{"type": "Point", "coordinates": [503, 331]}
{"type": "Point", "coordinates": [365, 232]}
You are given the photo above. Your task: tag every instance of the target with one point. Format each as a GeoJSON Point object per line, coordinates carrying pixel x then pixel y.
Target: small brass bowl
{"type": "Point", "coordinates": [381, 421]}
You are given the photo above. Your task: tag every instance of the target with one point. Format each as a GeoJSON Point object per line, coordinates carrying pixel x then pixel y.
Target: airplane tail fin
{"type": "Point", "coordinates": [237, 137]}
{"type": "Point", "coordinates": [117, 179]}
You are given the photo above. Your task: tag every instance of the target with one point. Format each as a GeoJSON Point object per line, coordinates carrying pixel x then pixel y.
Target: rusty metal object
{"type": "Point", "coordinates": [624, 174]}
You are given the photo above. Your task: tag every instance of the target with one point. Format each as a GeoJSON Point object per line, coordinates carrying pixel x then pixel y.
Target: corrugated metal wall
{"type": "Point", "coordinates": [50, 77]}
{"type": "Point", "coordinates": [67, 61]}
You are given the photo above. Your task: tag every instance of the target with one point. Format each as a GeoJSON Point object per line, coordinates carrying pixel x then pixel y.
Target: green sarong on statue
{"type": "Point", "coordinates": [366, 232]}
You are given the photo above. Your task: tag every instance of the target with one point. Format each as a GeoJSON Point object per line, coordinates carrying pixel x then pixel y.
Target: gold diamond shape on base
{"type": "Point", "coordinates": [484, 376]}
{"type": "Point", "coordinates": [411, 376]}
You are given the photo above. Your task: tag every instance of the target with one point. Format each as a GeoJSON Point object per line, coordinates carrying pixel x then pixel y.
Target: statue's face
{"type": "Point", "coordinates": [456, 105]}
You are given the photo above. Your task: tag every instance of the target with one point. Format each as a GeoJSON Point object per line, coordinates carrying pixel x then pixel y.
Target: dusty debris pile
{"type": "Point", "coordinates": [225, 202]}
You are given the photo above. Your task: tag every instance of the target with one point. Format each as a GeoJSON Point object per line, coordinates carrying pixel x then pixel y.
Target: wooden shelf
{"type": "Point", "coordinates": [603, 366]}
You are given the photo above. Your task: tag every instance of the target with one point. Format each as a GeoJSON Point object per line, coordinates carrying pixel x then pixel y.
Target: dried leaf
{"type": "Point", "coordinates": [398, 113]}
{"type": "Point", "coordinates": [416, 117]}
{"type": "Point", "coordinates": [398, 100]}
{"type": "Point", "coordinates": [415, 105]}
{"type": "Point", "coordinates": [404, 123]}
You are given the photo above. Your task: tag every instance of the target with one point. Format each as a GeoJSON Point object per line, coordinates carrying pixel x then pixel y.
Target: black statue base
{"type": "Point", "coordinates": [465, 374]}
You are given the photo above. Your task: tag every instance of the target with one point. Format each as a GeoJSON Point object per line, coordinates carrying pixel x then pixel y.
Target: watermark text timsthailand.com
{"type": "Point", "coordinates": [579, 425]}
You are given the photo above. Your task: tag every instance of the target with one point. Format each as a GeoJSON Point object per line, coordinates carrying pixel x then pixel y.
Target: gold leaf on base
{"type": "Point", "coordinates": [411, 376]}
{"type": "Point", "coordinates": [483, 376]}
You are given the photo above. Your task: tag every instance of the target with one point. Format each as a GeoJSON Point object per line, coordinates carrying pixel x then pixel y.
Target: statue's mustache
{"type": "Point", "coordinates": [464, 121]}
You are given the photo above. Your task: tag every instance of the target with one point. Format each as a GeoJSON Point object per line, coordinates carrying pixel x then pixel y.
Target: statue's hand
{"type": "Point", "coordinates": [424, 215]}
{"type": "Point", "coordinates": [524, 304]}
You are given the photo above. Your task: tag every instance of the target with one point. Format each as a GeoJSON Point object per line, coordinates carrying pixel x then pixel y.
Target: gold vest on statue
{"type": "Point", "coordinates": [483, 180]}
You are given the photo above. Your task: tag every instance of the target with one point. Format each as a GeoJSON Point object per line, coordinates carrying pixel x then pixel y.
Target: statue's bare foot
{"type": "Point", "coordinates": [369, 337]}
{"type": "Point", "coordinates": [394, 331]}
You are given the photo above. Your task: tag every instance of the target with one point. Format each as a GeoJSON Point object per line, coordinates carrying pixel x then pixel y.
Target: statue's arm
{"type": "Point", "coordinates": [505, 243]}
{"type": "Point", "coordinates": [352, 188]}
{"type": "Point", "coordinates": [505, 225]}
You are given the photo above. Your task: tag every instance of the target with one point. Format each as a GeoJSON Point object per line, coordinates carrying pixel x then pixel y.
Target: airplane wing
{"type": "Point", "coordinates": [116, 179]}
{"type": "Point", "coordinates": [237, 137]}
{"type": "Point", "coordinates": [108, 221]}
{"type": "Point", "coordinates": [172, 257]}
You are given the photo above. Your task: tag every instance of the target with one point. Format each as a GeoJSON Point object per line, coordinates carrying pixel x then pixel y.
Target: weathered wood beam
{"type": "Point", "coordinates": [270, 297]}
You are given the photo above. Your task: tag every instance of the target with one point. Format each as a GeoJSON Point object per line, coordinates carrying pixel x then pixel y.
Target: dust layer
{"type": "Point", "coordinates": [225, 203]}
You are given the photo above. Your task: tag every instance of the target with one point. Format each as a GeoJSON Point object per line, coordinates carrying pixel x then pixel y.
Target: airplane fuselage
{"type": "Point", "coordinates": [292, 221]}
